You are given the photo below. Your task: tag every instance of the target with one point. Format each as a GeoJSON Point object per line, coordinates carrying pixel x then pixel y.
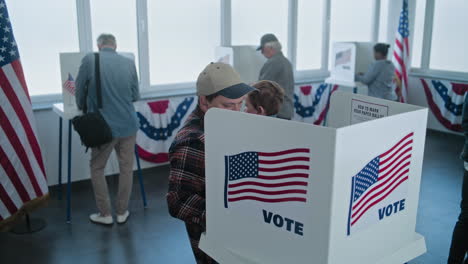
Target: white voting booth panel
{"type": "Point", "coordinates": [287, 192]}
{"type": "Point", "coordinates": [246, 60]}
{"type": "Point", "coordinates": [69, 65]}
{"type": "Point", "coordinates": [348, 59]}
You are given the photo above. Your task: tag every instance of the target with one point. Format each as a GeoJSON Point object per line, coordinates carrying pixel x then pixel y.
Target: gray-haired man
{"type": "Point", "coordinates": [119, 86]}
{"type": "Point", "coordinates": [278, 69]}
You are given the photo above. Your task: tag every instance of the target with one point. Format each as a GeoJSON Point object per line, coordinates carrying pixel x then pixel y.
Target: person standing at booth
{"type": "Point", "coordinates": [218, 86]}
{"type": "Point", "coordinates": [119, 89]}
{"type": "Point", "coordinates": [459, 246]}
{"type": "Point", "coordinates": [379, 76]}
{"type": "Point", "coordinates": [278, 68]}
{"type": "Point", "coordinates": [266, 100]}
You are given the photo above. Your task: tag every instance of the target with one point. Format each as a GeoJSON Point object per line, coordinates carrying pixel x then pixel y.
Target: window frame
{"type": "Point", "coordinates": [83, 9]}
{"type": "Point", "coordinates": [311, 74]}
{"type": "Point", "coordinates": [148, 90]}
{"type": "Point", "coordinates": [425, 71]}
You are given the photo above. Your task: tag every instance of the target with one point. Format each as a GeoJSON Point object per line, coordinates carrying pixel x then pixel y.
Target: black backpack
{"type": "Point", "coordinates": [92, 127]}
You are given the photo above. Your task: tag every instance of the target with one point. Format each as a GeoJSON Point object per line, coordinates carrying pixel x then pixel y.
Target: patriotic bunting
{"type": "Point", "coordinates": [159, 122]}
{"type": "Point", "coordinates": [445, 99]}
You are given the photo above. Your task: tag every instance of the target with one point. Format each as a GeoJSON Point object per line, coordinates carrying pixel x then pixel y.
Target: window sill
{"type": "Point", "coordinates": [439, 75]}
{"type": "Point", "coordinates": [310, 76]}
{"type": "Point", "coordinates": [167, 93]}
{"type": "Point", "coordinates": [45, 102]}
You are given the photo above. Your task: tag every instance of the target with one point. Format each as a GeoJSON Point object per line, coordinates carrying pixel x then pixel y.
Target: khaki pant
{"type": "Point", "coordinates": [124, 147]}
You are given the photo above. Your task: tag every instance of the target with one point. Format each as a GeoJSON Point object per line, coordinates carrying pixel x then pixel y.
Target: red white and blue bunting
{"type": "Point", "coordinates": [159, 122]}
{"type": "Point", "coordinates": [311, 102]}
{"type": "Point", "coordinates": [445, 99]}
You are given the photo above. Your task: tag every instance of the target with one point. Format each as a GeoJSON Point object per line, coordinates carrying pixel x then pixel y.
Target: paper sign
{"type": "Point", "coordinates": [362, 111]}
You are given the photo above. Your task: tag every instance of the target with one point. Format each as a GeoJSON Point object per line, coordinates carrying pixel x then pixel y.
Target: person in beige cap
{"type": "Point", "coordinates": [219, 86]}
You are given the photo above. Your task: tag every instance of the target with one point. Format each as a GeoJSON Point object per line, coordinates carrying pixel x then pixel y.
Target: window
{"type": "Point", "coordinates": [119, 21]}
{"type": "Point", "coordinates": [448, 49]}
{"type": "Point", "coordinates": [252, 19]}
{"type": "Point", "coordinates": [347, 25]}
{"type": "Point", "coordinates": [40, 39]}
{"type": "Point", "coordinates": [418, 34]}
{"type": "Point", "coordinates": [383, 20]}
{"type": "Point", "coordinates": [182, 38]}
{"type": "Point", "coordinates": [309, 34]}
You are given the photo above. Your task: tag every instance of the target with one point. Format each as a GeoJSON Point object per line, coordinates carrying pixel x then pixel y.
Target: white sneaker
{"type": "Point", "coordinates": [99, 219]}
{"type": "Point", "coordinates": [123, 217]}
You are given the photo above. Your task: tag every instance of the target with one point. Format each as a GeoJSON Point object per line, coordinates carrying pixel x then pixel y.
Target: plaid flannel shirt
{"type": "Point", "coordinates": [186, 195]}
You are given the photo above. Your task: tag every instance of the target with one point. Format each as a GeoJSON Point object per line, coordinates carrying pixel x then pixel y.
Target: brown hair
{"type": "Point", "coordinates": [268, 95]}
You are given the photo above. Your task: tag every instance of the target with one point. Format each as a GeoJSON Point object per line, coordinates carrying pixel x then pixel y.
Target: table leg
{"type": "Point", "coordinates": [69, 172]}
{"type": "Point", "coordinates": [60, 159]}
{"type": "Point", "coordinates": [330, 88]}
{"type": "Point", "coordinates": [140, 178]}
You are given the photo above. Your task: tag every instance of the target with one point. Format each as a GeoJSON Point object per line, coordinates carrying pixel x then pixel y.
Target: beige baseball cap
{"type": "Point", "coordinates": [222, 79]}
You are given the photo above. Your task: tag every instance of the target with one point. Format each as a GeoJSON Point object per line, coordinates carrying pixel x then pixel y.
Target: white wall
{"type": "Point", "coordinates": [48, 130]}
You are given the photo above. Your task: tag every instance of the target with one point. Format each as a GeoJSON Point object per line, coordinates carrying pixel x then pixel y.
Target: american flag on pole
{"type": "Point", "coordinates": [385, 176]}
{"type": "Point", "coordinates": [401, 52]}
{"type": "Point", "coordinates": [69, 84]}
{"type": "Point", "coordinates": [269, 177]}
{"type": "Point", "coordinates": [22, 174]}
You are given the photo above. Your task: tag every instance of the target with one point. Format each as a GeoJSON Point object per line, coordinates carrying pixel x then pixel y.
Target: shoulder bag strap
{"type": "Point", "coordinates": [97, 75]}
{"type": "Point", "coordinates": [85, 104]}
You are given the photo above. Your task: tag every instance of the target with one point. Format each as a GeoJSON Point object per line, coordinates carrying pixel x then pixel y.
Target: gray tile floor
{"type": "Point", "coordinates": [152, 236]}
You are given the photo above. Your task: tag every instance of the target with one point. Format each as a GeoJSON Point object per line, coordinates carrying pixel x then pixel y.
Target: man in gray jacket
{"type": "Point", "coordinates": [278, 69]}
{"type": "Point", "coordinates": [119, 89]}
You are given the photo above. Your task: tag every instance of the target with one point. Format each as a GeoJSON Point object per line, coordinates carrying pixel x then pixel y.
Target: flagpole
{"type": "Point", "coordinates": [29, 225]}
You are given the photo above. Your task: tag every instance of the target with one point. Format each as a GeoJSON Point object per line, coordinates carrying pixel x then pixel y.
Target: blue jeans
{"type": "Point", "coordinates": [459, 246]}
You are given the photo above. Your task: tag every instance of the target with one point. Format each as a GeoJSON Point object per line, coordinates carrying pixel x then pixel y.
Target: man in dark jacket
{"type": "Point", "coordinates": [278, 69]}
{"type": "Point", "coordinates": [459, 246]}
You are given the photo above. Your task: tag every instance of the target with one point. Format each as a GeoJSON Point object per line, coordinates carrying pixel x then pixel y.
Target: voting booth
{"type": "Point", "coordinates": [281, 191]}
{"type": "Point", "coordinates": [69, 65]}
{"type": "Point", "coordinates": [245, 59]}
{"type": "Point", "coordinates": [347, 60]}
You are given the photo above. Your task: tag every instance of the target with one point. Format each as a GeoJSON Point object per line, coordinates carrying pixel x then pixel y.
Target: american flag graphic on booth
{"type": "Point", "coordinates": [385, 176]}
{"type": "Point", "coordinates": [343, 57]}
{"type": "Point", "coordinates": [268, 177]}
{"type": "Point", "coordinates": [69, 84]}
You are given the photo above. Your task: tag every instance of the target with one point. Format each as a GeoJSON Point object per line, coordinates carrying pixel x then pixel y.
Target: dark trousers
{"type": "Point", "coordinates": [459, 246]}
{"type": "Point", "coordinates": [194, 232]}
